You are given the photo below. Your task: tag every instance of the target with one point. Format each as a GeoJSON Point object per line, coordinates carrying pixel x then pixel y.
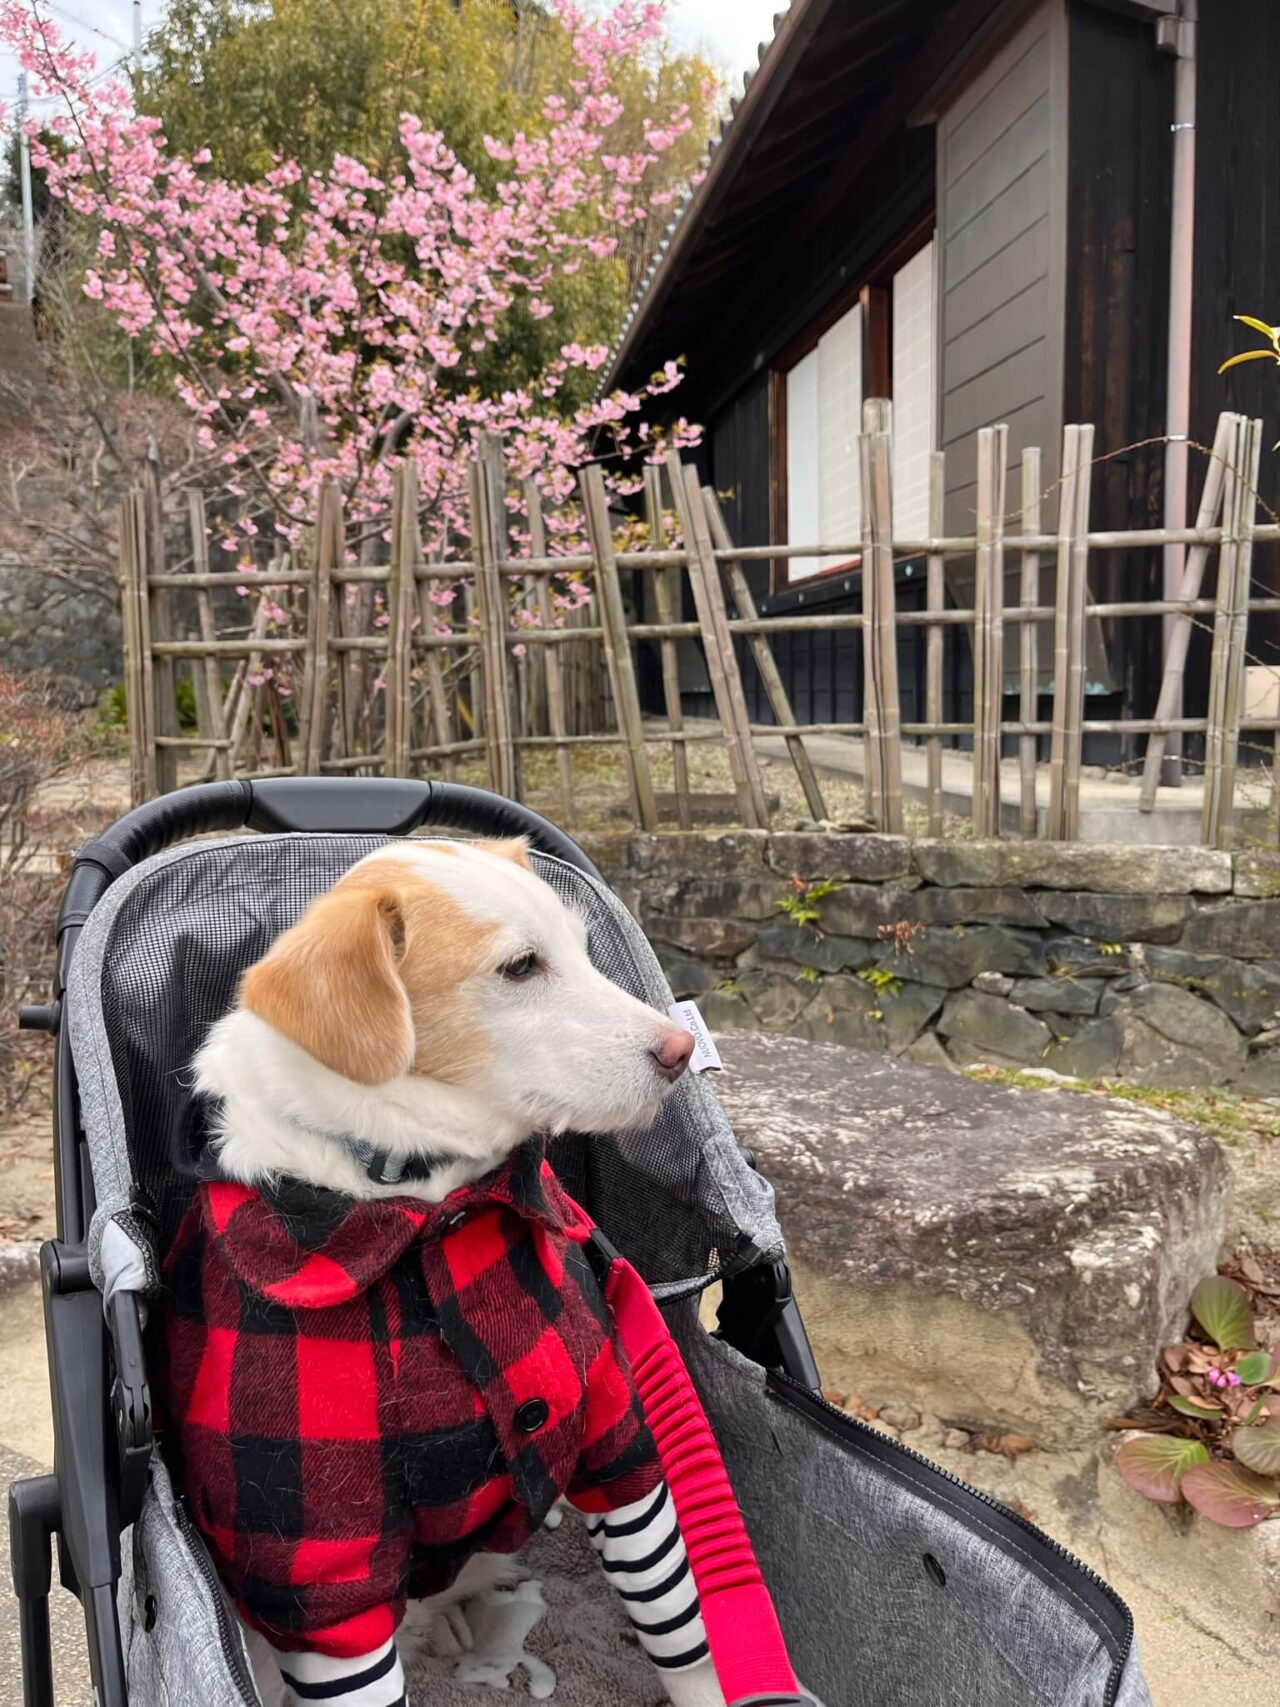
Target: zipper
{"type": "Point", "coordinates": [810, 1400]}
{"type": "Point", "coordinates": [231, 1649]}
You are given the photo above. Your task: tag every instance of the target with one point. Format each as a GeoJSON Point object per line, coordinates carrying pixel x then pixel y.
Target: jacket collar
{"type": "Point", "coordinates": [305, 1247]}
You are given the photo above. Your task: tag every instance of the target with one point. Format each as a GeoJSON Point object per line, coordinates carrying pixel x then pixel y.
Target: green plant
{"type": "Point", "coordinates": [1214, 1427]}
{"type": "Point", "coordinates": [729, 987]}
{"type": "Point", "coordinates": [809, 975]}
{"type": "Point", "coordinates": [1111, 947]}
{"type": "Point", "coordinates": [881, 980]}
{"type": "Point", "coordinates": [800, 903]}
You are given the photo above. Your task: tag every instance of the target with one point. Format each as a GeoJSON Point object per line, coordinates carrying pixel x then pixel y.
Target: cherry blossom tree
{"type": "Point", "coordinates": [329, 327]}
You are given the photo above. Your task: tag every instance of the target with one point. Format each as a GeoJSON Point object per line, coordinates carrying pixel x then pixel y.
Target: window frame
{"type": "Point", "coordinates": [873, 293]}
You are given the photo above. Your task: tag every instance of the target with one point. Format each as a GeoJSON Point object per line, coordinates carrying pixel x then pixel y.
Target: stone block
{"type": "Point", "coordinates": [686, 977]}
{"type": "Point", "coordinates": [710, 936]}
{"type": "Point", "coordinates": [977, 907]}
{"type": "Point", "coordinates": [1202, 1034]}
{"type": "Point", "coordinates": [987, 1028]}
{"type": "Point", "coordinates": [993, 984]}
{"type": "Point", "coordinates": [684, 853]}
{"type": "Point", "coordinates": [1246, 930]}
{"type": "Point", "coordinates": [1075, 957]}
{"type": "Point", "coordinates": [801, 947]}
{"type": "Point", "coordinates": [726, 1010]}
{"type": "Point", "coordinates": [954, 956]}
{"type": "Point", "coordinates": [1014, 1257]}
{"type": "Point", "coordinates": [860, 909]}
{"type": "Point", "coordinates": [1093, 1053]}
{"type": "Point", "coordinates": [1056, 995]}
{"type": "Point", "coordinates": [860, 859]}
{"type": "Point", "coordinates": [850, 1011]}
{"type": "Point", "coordinates": [927, 1051]}
{"type": "Point", "coordinates": [1102, 867]}
{"type": "Point", "coordinates": [1257, 875]}
{"type": "Point", "coordinates": [1117, 918]}
{"type": "Point", "coordinates": [776, 1000]}
{"type": "Point", "coordinates": [721, 898]}
{"type": "Point", "coordinates": [1248, 991]}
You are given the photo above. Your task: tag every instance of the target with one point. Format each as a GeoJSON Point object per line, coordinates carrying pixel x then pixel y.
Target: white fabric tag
{"type": "Point", "coordinates": [705, 1053]}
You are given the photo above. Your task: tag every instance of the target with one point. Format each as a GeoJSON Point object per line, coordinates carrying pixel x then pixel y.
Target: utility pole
{"type": "Point", "coordinates": [28, 210]}
{"type": "Point", "coordinates": [1176, 35]}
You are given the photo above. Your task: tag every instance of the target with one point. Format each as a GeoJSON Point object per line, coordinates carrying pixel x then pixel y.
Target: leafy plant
{"type": "Point", "coordinates": [901, 935]}
{"type": "Point", "coordinates": [1217, 1412]}
{"type": "Point", "coordinates": [809, 975]}
{"type": "Point", "coordinates": [880, 979]}
{"type": "Point", "coordinates": [1270, 333]}
{"type": "Point", "coordinates": [800, 903]}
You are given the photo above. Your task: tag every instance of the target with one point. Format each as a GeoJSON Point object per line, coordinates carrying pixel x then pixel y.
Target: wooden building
{"type": "Point", "coordinates": [965, 205]}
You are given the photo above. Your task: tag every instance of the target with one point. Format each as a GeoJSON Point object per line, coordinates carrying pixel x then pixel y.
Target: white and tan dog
{"type": "Point", "coordinates": [440, 995]}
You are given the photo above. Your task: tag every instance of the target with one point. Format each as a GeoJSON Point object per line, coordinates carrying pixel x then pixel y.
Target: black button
{"type": "Point", "coordinates": [532, 1415]}
{"type": "Point", "coordinates": [149, 1612]}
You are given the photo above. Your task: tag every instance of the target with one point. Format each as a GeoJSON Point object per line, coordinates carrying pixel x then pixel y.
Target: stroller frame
{"type": "Point", "coordinates": [102, 1420]}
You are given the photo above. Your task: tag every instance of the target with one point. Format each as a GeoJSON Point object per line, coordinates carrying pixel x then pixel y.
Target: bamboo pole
{"type": "Point", "coordinates": [666, 590]}
{"type": "Point", "coordinates": [935, 601]}
{"type": "Point", "coordinates": [328, 558]}
{"type": "Point", "coordinates": [1230, 632]}
{"type": "Point", "coordinates": [439, 715]}
{"type": "Point", "coordinates": [210, 677]}
{"type": "Point", "coordinates": [880, 641]}
{"type": "Point", "coordinates": [766, 663]}
{"type": "Point", "coordinates": [494, 492]}
{"type": "Point", "coordinates": [137, 663]}
{"type": "Point", "coordinates": [248, 692]}
{"type": "Point", "coordinates": [717, 644]}
{"type": "Point", "coordinates": [1211, 502]}
{"type": "Point", "coordinates": [1029, 645]}
{"type": "Point", "coordinates": [397, 672]}
{"type": "Point", "coordinates": [1076, 636]}
{"type": "Point", "coordinates": [1067, 490]}
{"type": "Point", "coordinates": [988, 631]}
{"type": "Point", "coordinates": [554, 661]}
{"type": "Point", "coordinates": [164, 716]}
{"type": "Point", "coordinates": [617, 647]}
{"type": "Point", "coordinates": [492, 650]}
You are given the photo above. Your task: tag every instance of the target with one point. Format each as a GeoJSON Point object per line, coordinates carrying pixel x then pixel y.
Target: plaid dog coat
{"type": "Point", "coordinates": [360, 1395]}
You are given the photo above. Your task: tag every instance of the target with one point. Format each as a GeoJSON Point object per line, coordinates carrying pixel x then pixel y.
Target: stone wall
{"type": "Point", "coordinates": [1156, 965]}
{"type": "Point", "coordinates": [47, 626]}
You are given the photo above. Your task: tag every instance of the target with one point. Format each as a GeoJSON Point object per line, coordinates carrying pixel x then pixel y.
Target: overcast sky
{"type": "Point", "coordinates": [729, 29]}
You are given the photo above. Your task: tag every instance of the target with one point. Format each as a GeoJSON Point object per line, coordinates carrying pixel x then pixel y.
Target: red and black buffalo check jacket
{"type": "Point", "coordinates": [361, 1395]}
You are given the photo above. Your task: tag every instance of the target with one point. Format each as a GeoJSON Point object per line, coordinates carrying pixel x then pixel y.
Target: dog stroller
{"type": "Point", "coordinates": [896, 1585]}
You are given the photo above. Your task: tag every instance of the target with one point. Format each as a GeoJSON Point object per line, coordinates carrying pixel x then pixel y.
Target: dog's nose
{"type": "Point", "coordinates": [674, 1053]}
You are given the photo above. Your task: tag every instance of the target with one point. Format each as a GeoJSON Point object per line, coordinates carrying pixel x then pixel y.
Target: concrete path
{"type": "Point", "coordinates": [26, 1449]}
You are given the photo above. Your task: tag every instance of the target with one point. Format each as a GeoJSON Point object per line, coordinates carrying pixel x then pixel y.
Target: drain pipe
{"type": "Point", "coordinates": [1177, 35]}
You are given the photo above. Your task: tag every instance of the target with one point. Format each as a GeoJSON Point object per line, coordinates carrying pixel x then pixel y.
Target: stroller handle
{"type": "Point", "coordinates": [391, 806]}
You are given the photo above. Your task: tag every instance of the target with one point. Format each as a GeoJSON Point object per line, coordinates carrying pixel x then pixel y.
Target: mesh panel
{"type": "Point", "coordinates": [158, 964]}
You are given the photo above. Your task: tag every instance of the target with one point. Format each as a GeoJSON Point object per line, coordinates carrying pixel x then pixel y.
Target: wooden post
{"type": "Point", "coordinates": [1230, 632]}
{"type": "Point", "coordinates": [1175, 664]}
{"type": "Point", "coordinates": [666, 589]}
{"type": "Point", "coordinates": [495, 494]}
{"type": "Point", "coordinates": [554, 662]}
{"type": "Point", "coordinates": [617, 647]}
{"type": "Point", "coordinates": [1029, 645]}
{"type": "Point", "coordinates": [880, 641]}
{"type": "Point", "coordinates": [491, 608]}
{"type": "Point", "coordinates": [988, 631]}
{"type": "Point", "coordinates": [717, 644]}
{"type": "Point", "coordinates": [439, 717]}
{"type": "Point", "coordinates": [1062, 601]}
{"type": "Point", "coordinates": [164, 716]}
{"type": "Point", "coordinates": [1069, 634]}
{"type": "Point", "coordinates": [210, 698]}
{"type": "Point", "coordinates": [401, 603]}
{"type": "Point", "coordinates": [328, 560]}
{"type": "Point", "coordinates": [249, 700]}
{"type": "Point", "coordinates": [138, 698]}
{"type": "Point", "coordinates": [935, 602]}
{"type": "Point", "coordinates": [762, 652]}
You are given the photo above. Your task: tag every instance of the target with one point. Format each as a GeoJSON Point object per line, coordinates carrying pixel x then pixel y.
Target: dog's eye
{"type": "Point", "coordinates": [522, 967]}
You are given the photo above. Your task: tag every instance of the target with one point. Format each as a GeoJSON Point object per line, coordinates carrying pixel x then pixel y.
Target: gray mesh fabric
{"type": "Point", "coordinates": [157, 964]}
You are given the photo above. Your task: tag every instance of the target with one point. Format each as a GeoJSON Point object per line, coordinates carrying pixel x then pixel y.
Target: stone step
{"type": "Point", "coordinates": [1001, 1258]}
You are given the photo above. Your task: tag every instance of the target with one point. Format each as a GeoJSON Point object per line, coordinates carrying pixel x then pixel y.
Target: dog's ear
{"type": "Point", "coordinates": [514, 848]}
{"type": "Point", "coordinates": [332, 985]}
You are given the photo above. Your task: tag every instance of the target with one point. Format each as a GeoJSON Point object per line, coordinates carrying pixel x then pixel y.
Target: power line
{"type": "Point", "coordinates": [81, 23]}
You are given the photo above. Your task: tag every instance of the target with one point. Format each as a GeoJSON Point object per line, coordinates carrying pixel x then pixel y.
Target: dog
{"type": "Point", "coordinates": [412, 1040]}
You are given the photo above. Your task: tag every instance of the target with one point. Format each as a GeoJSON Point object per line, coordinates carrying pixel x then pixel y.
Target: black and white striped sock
{"type": "Point", "coordinates": [643, 1555]}
{"type": "Point", "coordinates": [370, 1680]}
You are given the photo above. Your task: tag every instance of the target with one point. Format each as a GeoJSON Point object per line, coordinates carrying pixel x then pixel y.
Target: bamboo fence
{"type": "Point", "coordinates": [338, 666]}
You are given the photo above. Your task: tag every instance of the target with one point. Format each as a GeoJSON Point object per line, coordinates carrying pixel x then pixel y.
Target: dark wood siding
{"type": "Point", "coordinates": [1117, 300]}
{"type": "Point", "coordinates": [1001, 226]}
